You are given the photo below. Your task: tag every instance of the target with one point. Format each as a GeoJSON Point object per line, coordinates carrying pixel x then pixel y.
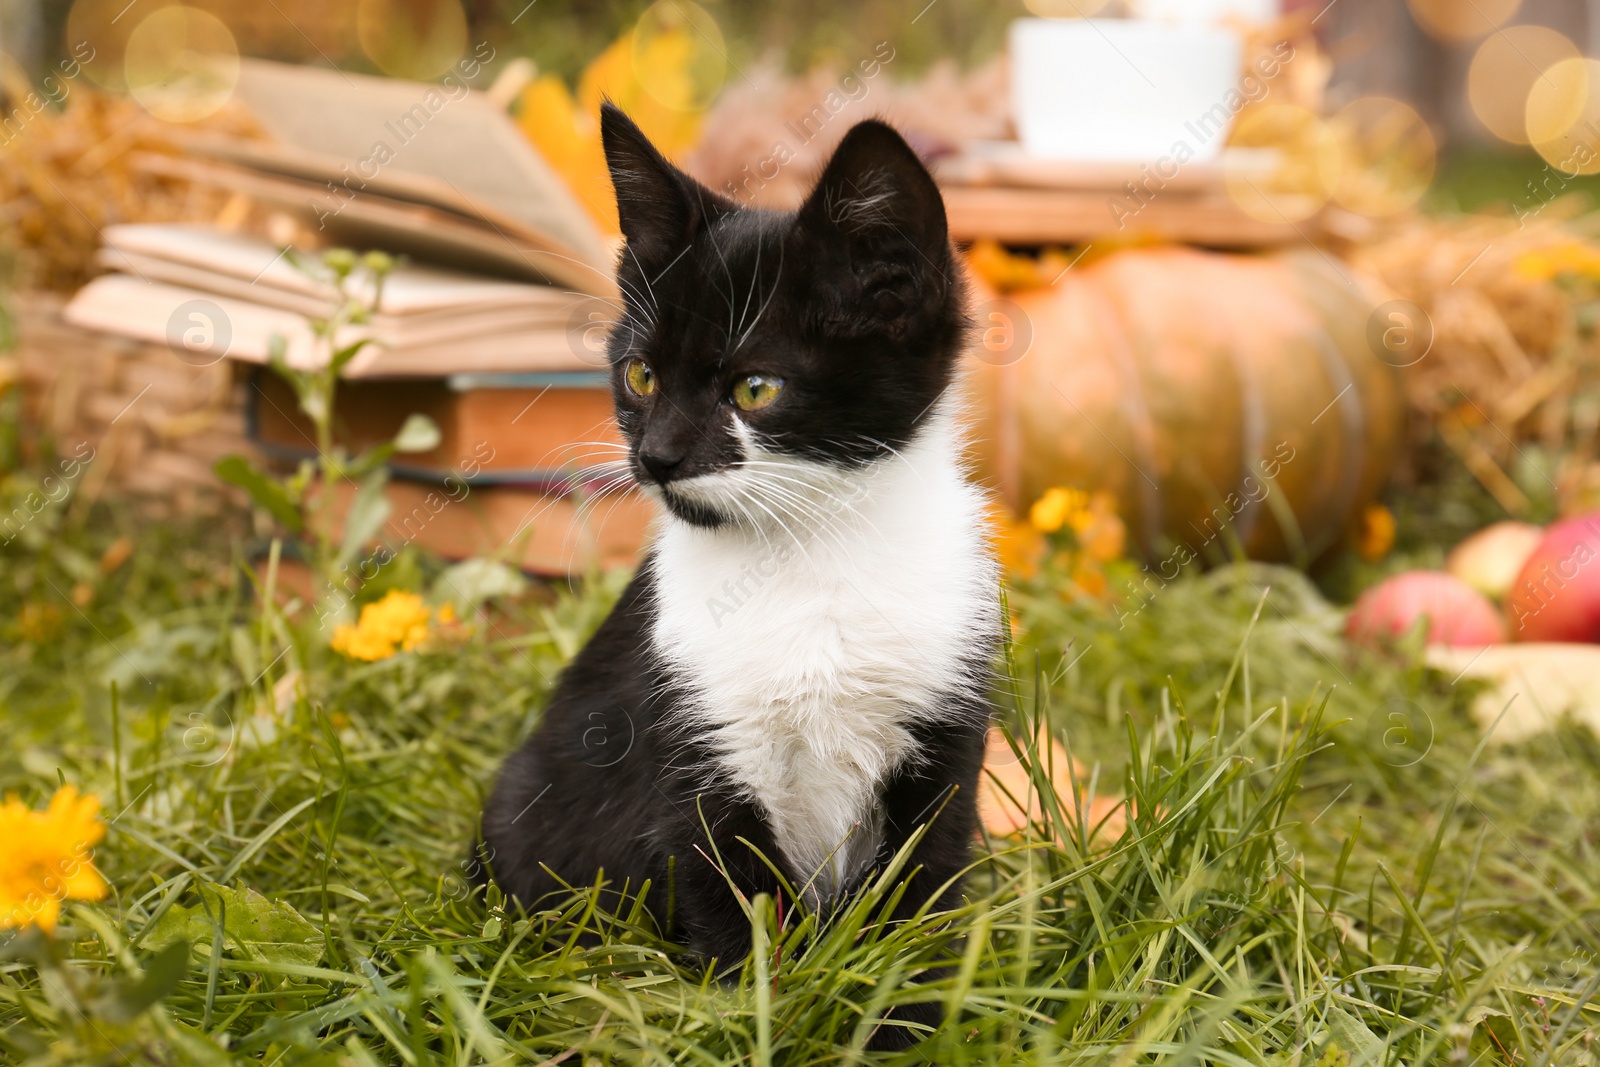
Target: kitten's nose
{"type": "Point", "coordinates": [661, 465]}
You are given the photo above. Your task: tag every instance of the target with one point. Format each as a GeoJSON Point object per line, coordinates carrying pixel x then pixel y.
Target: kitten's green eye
{"type": "Point", "coordinates": [756, 391]}
{"type": "Point", "coordinates": [640, 378]}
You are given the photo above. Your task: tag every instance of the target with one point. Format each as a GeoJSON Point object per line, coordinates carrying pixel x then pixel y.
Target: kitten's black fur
{"type": "Point", "coordinates": [856, 303]}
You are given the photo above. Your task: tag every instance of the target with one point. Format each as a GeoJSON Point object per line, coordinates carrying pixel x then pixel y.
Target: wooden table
{"type": "Point", "coordinates": [1002, 194]}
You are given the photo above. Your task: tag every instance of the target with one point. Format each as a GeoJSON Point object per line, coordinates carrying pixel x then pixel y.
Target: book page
{"type": "Point", "coordinates": [410, 289]}
{"type": "Point", "coordinates": [442, 145]}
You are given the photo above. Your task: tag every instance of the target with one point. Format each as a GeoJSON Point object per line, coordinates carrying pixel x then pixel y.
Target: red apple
{"type": "Point", "coordinates": [1457, 614]}
{"type": "Point", "coordinates": [1557, 595]}
{"type": "Point", "coordinates": [1491, 559]}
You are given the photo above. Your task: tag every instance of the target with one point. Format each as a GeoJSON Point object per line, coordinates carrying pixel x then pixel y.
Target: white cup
{"type": "Point", "coordinates": [1122, 90]}
{"type": "Point", "coordinates": [1207, 11]}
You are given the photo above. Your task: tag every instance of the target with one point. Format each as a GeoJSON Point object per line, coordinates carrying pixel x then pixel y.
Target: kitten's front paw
{"type": "Point", "coordinates": [727, 948]}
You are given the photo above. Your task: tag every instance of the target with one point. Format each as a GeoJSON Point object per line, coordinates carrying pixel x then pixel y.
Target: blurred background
{"type": "Point", "coordinates": [1421, 53]}
{"type": "Point", "coordinates": [1305, 282]}
{"type": "Point", "coordinates": [1428, 53]}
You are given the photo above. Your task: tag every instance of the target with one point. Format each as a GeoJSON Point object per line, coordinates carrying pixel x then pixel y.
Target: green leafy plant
{"type": "Point", "coordinates": [304, 502]}
{"type": "Point", "coordinates": [83, 1016]}
{"type": "Point", "coordinates": [10, 396]}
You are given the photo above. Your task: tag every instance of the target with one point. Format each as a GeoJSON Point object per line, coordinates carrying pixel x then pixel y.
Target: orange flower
{"type": "Point", "coordinates": [45, 857]}
{"type": "Point", "coordinates": [1017, 544]}
{"type": "Point", "coordinates": [656, 72]}
{"type": "Point", "coordinates": [1376, 535]}
{"type": "Point", "coordinates": [1090, 580]}
{"type": "Point", "coordinates": [570, 142]}
{"type": "Point", "coordinates": [1101, 533]}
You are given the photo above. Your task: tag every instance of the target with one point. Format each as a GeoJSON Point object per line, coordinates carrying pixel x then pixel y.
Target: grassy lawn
{"type": "Point", "coordinates": [1324, 864]}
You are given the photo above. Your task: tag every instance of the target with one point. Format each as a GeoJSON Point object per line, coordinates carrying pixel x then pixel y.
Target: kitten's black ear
{"type": "Point", "coordinates": [875, 229]}
{"type": "Point", "coordinates": [875, 191]}
{"type": "Point", "coordinates": [659, 207]}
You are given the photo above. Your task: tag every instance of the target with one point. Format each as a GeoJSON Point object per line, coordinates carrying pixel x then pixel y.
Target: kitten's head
{"type": "Point", "coordinates": [760, 352]}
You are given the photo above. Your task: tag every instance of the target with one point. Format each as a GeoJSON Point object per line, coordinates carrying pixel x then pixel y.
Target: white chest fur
{"type": "Point", "coordinates": [811, 640]}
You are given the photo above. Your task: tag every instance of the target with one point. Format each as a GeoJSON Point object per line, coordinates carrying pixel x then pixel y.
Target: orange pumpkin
{"type": "Point", "coordinates": [1224, 400]}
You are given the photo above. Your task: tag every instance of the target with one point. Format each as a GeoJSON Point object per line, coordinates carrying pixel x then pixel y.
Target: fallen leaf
{"type": "Point", "coordinates": [1008, 800]}
{"type": "Point", "coordinates": [116, 554]}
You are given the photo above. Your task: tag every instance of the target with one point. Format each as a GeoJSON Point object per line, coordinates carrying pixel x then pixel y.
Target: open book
{"type": "Point", "coordinates": [434, 171]}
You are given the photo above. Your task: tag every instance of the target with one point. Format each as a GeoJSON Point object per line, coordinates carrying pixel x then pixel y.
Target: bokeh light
{"type": "Point", "coordinates": [181, 63]}
{"type": "Point", "coordinates": [418, 39]}
{"type": "Point", "coordinates": [1296, 187]}
{"type": "Point", "coordinates": [1563, 116]}
{"type": "Point", "coordinates": [1462, 20]}
{"type": "Point", "coordinates": [1503, 72]}
{"type": "Point", "coordinates": [679, 55]}
{"type": "Point", "coordinates": [1064, 9]}
{"type": "Point", "coordinates": [105, 25]}
{"type": "Point", "coordinates": [1385, 156]}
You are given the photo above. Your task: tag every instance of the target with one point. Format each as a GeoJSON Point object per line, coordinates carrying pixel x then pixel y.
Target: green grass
{"type": "Point", "coordinates": [1504, 179]}
{"type": "Point", "coordinates": [1306, 879]}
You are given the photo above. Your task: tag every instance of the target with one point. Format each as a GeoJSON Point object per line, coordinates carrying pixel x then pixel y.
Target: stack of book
{"type": "Point", "coordinates": [492, 325]}
{"type": "Point", "coordinates": [168, 281]}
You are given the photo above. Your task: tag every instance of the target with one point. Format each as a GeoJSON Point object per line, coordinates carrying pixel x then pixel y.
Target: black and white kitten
{"type": "Point", "coordinates": [802, 664]}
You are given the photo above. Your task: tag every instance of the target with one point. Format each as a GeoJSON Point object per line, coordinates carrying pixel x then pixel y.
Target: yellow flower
{"type": "Point", "coordinates": [1571, 257]}
{"type": "Point", "coordinates": [1004, 271]}
{"type": "Point", "coordinates": [1057, 508]}
{"type": "Point", "coordinates": [398, 622]}
{"type": "Point", "coordinates": [1376, 535]}
{"type": "Point", "coordinates": [45, 857]}
{"type": "Point", "coordinates": [1098, 536]}
{"type": "Point", "coordinates": [1092, 518]}
{"type": "Point", "coordinates": [1009, 272]}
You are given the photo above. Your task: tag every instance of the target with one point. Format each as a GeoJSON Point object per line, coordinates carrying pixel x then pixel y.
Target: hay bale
{"type": "Point", "coordinates": [1510, 364]}
{"type": "Point", "coordinates": [156, 423]}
